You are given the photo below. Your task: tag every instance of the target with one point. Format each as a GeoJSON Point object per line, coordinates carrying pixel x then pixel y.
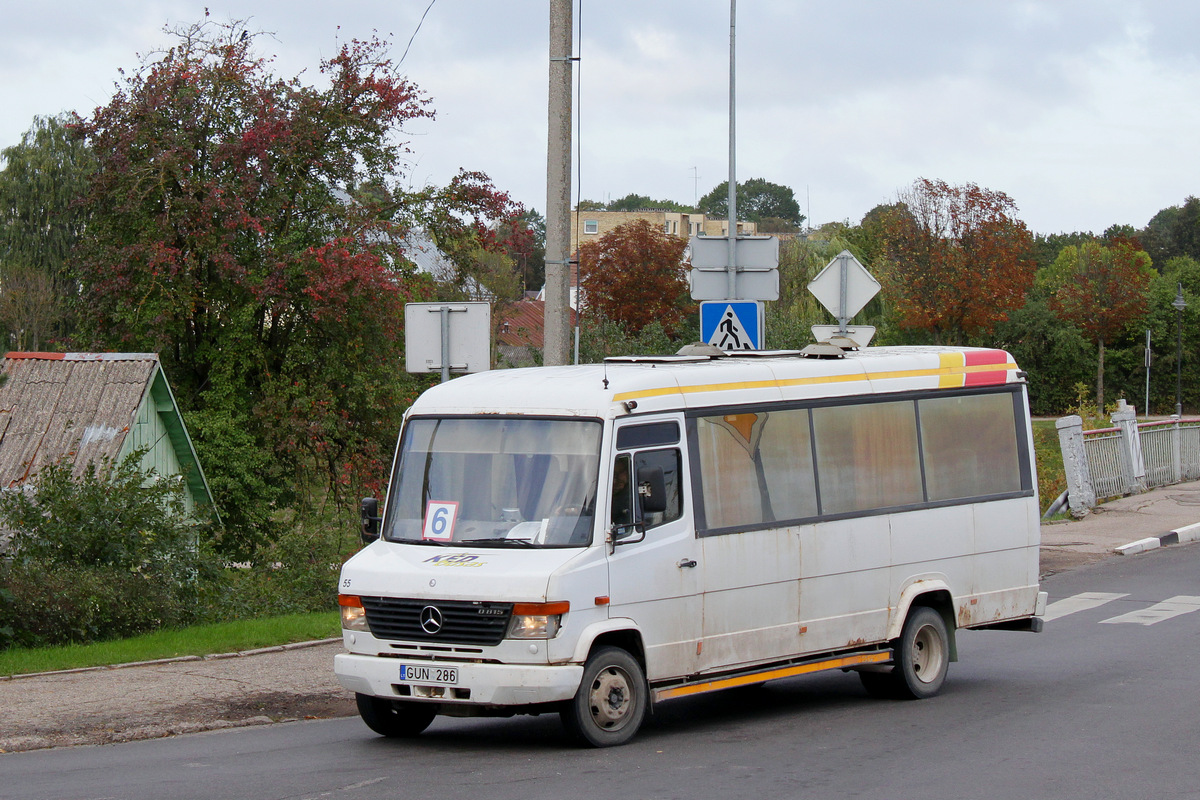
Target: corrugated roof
{"type": "Point", "coordinates": [77, 405]}
{"type": "Point", "coordinates": [523, 324]}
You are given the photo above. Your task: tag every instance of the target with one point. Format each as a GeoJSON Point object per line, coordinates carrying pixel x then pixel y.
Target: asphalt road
{"type": "Point", "coordinates": [1101, 705]}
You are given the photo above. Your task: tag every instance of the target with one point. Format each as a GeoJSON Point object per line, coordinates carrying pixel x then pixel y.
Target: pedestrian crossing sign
{"type": "Point", "coordinates": [732, 324]}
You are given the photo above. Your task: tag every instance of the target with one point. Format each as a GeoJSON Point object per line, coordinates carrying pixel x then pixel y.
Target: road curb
{"type": "Point", "coordinates": [211, 657]}
{"type": "Point", "coordinates": [1188, 533]}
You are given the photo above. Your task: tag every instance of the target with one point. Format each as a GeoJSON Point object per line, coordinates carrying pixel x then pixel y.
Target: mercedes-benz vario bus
{"type": "Point", "coordinates": [593, 540]}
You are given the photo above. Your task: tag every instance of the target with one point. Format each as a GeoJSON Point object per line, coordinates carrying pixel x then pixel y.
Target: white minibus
{"type": "Point", "coordinates": [593, 540]}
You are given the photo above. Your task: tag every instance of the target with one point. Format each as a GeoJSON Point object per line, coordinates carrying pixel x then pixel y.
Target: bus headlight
{"type": "Point", "coordinates": [536, 620]}
{"type": "Point", "coordinates": [354, 616]}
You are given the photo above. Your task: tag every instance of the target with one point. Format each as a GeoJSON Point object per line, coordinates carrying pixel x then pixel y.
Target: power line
{"type": "Point", "coordinates": [414, 33]}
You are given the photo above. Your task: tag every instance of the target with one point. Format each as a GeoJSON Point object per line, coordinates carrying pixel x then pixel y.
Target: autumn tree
{"type": "Point", "coordinates": [954, 260]}
{"type": "Point", "coordinates": [250, 229]}
{"type": "Point", "coordinates": [636, 274]}
{"type": "Point", "coordinates": [41, 180]}
{"type": "Point", "coordinates": [1101, 289]}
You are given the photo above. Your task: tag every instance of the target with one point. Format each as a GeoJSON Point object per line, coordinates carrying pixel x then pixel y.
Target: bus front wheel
{"type": "Point", "coordinates": [611, 702]}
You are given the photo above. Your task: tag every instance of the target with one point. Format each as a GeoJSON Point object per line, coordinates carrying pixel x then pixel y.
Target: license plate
{"type": "Point", "coordinates": [436, 676]}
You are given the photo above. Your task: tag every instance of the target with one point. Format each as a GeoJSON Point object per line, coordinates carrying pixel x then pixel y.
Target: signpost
{"type": "Point", "coordinates": [844, 287]}
{"type": "Point", "coordinates": [445, 337]}
{"type": "Point", "coordinates": [756, 272]}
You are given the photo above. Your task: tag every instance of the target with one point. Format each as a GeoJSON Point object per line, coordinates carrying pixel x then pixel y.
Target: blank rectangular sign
{"type": "Point", "coordinates": [470, 330]}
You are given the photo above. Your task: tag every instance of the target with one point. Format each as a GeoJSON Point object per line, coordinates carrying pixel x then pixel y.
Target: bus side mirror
{"type": "Point", "coordinates": [370, 520]}
{"type": "Point", "coordinates": [651, 489]}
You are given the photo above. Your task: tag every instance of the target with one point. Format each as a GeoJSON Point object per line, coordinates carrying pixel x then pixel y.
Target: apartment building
{"type": "Point", "coordinates": [589, 226]}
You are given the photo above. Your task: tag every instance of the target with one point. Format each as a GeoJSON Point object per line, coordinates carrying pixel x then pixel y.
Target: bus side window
{"type": "Point", "coordinates": [669, 462]}
{"type": "Point", "coordinates": [622, 494]}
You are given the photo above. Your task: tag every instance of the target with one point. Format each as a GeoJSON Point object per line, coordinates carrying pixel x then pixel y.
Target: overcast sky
{"type": "Point", "coordinates": [1085, 113]}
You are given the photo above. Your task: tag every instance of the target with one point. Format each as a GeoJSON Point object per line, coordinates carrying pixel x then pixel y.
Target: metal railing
{"type": "Point", "coordinates": [1169, 452]}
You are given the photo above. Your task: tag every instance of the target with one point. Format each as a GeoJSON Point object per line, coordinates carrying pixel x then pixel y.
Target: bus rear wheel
{"type": "Point", "coordinates": [611, 702]}
{"type": "Point", "coordinates": [922, 656]}
{"type": "Point", "coordinates": [394, 718]}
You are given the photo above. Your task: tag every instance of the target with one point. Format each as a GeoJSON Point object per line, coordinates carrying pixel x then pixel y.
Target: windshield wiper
{"type": "Point", "coordinates": [493, 542]}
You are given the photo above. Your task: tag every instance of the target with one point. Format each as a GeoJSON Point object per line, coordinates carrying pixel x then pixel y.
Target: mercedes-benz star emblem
{"type": "Point", "coordinates": [431, 620]}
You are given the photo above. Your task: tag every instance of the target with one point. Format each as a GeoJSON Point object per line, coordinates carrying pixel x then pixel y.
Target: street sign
{"type": "Point", "coordinates": [757, 276]}
{"type": "Point", "coordinates": [445, 337]}
{"type": "Point", "coordinates": [844, 286]}
{"type": "Point", "coordinates": [732, 324]}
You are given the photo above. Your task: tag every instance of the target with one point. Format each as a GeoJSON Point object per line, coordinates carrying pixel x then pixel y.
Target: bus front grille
{"type": "Point", "coordinates": [448, 621]}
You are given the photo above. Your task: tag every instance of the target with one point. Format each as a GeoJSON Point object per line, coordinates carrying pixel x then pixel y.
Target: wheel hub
{"type": "Point", "coordinates": [610, 698]}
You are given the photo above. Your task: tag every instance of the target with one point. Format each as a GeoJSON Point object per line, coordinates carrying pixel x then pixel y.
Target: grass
{"type": "Point", "coordinates": [1052, 479]}
{"type": "Point", "coordinates": [223, 637]}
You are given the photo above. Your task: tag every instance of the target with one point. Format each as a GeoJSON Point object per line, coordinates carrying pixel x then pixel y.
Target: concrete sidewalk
{"type": "Point", "coordinates": [1124, 526]}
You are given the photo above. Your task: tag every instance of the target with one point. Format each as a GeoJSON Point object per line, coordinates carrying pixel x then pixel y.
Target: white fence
{"type": "Point", "coordinates": [1128, 458]}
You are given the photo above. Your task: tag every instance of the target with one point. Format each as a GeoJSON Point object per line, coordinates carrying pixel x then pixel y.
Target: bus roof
{"type": "Point", "coordinates": [617, 387]}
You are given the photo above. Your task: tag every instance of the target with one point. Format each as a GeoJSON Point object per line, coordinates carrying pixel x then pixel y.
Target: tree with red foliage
{"type": "Point", "coordinates": [249, 229]}
{"type": "Point", "coordinates": [955, 259]}
{"type": "Point", "coordinates": [1100, 289]}
{"type": "Point", "coordinates": [636, 274]}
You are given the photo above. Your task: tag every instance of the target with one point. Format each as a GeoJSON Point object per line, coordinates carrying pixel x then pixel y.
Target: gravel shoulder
{"type": "Point", "coordinates": [120, 704]}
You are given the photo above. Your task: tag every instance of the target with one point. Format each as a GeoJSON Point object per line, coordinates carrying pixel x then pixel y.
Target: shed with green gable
{"type": "Point", "coordinates": [81, 408]}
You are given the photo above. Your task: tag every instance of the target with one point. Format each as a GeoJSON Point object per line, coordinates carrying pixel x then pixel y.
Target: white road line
{"type": "Point", "coordinates": [1079, 602]}
{"type": "Point", "coordinates": [1171, 607]}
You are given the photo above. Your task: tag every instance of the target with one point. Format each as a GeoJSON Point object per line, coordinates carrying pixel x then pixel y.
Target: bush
{"type": "Point", "coordinates": [57, 604]}
{"type": "Point", "coordinates": [295, 573]}
{"type": "Point", "coordinates": [107, 554]}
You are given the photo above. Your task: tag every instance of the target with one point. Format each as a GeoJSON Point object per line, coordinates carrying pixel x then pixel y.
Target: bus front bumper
{"type": "Point", "coordinates": [473, 684]}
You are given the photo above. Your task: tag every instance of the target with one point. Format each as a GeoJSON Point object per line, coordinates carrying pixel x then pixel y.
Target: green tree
{"type": "Point", "coordinates": [249, 229]}
{"type": "Point", "coordinates": [1048, 246]}
{"type": "Point", "coordinates": [1173, 232]}
{"type": "Point", "coordinates": [1158, 237]}
{"type": "Point", "coordinates": [1164, 321]}
{"type": "Point", "coordinates": [528, 249]}
{"type": "Point", "coordinates": [636, 274]}
{"type": "Point", "coordinates": [1102, 290]}
{"type": "Point", "coordinates": [757, 200]}
{"type": "Point", "coordinates": [956, 262]}
{"type": "Point", "coordinates": [40, 221]}
{"type": "Point", "coordinates": [641, 202]}
{"type": "Point", "coordinates": [1056, 355]}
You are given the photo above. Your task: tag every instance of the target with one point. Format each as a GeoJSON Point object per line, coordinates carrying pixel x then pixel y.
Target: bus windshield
{"type": "Point", "coordinates": [495, 482]}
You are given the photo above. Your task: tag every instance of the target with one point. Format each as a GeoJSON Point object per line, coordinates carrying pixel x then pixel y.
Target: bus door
{"type": "Point", "coordinates": [654, 569]}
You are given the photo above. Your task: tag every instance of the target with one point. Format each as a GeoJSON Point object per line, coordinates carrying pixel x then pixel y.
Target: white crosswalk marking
{"type": "Point", "coordinates": [1079, 602]}
{"type": "Point", "coordinates": [1171, 607]}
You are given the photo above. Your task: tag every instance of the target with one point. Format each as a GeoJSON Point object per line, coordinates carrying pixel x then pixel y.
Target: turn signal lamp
{"type": "Point", "coordinates": [536, 620]}
{"type": "Point", "coordinates": [354, 616]}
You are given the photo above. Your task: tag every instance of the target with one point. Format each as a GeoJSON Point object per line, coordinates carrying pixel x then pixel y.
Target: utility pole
{"type": "Point", "coordinates": [731, 200]}
{"type": "Point", "coordinates": [556, 324]}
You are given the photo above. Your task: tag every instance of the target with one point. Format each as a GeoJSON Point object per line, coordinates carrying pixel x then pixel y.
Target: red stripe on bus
{"type": "Point", "coordinates": [985, 378]}
{"type": "Point", "coordinates": [983, 357]}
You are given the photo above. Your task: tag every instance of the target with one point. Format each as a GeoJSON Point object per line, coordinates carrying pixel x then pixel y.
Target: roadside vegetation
{"type": "Point", "coordinates": [197, 640]}
{"type": "Point", "coordinates": [271, 256]}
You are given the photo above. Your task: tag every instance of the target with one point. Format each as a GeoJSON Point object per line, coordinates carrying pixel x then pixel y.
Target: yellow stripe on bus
{"type": "Point", "coordinates": [768, 675]}
{"type": "Point", "coordinates": [948, 376]}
